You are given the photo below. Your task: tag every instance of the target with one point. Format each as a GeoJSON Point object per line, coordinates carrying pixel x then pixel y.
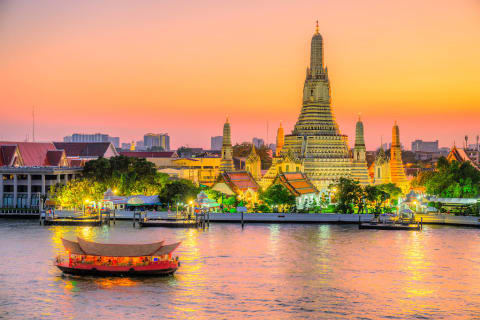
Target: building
{"type": "Point", "coordinates": [462, 155]}
{"type": "Point", "coordinates": [239, 183]}
{"type": "Point", "coordinates": [316, 139]}
{"type": "Point", "coordinates": [359, 163]}
{"type": "Point", "coordinates": [391, 170]}
{"type": "Point", "coordinates": [156, 140]}
{"type": "Point", "coordinates": [161, 159]}
{"type": "Point", "coordinates": [95, 137]}
{"type": "Point", "coordinates": [253, 164]}
{"type": "Point", "coordinates": [299, 186]}
{"type": "Point", "coordinates": [227, 150]}
{"type": "Point", "coordinates": [29, 169]}
{"type": "Point", "coordinates": [280, 140]}
{"type": "Point", "coordinates": [216, 143]}
{"type": "Point", "coordinates": [85, 151]}
{"type": "Point", "coordinates": [425, 146]}
{"type": "Point", "coordinates": [203, 171]}
{"type": "Point", "coordinates": [258, 142]}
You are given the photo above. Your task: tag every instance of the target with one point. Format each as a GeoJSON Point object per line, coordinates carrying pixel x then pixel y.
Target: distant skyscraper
{"type": "Point", "coordinates": [216, 143]}
{"type": "Point", "coordinates": [258, 142]}
{"type": "Point", "coordinates": [157, 140]}
{"type": "Point", "coordinates": [227, 151]}
{"type": "Point", "coordinates": [425, 146]}
{"type": "Point", "coordinates": [95, 137]}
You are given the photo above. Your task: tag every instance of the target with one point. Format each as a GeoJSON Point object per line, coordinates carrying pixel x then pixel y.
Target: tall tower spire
{"type": "Point", "coordinates": [359, 165]}
{"type": "Point", "coordinates": [316, 53]}
{"type": "Point", "coordinates": [280, 140]}
{"type": "Point", "coordinates": [397, 171]}
{"type": "Point", "coordinates": [226, 163]}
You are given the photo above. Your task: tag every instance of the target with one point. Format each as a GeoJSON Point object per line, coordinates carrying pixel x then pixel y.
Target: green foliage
{"type": "Point", "coordinates": [127, 175]}
{"type": "Point", "coordinates": [452, 180]}
{"type": "Point", "coordinates": [178, 191]}
{"type": "Point", "coordinates": [184, 152]}
{"type": "Point", "coordinates": [277, 194]}
{"type": "Point", "coordinates": [263, 208]}
{"type": "Point", "coordinates": [76, 192]}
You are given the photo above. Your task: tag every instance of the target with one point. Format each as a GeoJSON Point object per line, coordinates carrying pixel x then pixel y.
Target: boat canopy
{"type": "Point", "coordinates": [84, 247]}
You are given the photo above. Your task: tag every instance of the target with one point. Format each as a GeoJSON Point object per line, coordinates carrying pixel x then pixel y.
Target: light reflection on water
{"type": "Point", "coordinates": [262, 271]}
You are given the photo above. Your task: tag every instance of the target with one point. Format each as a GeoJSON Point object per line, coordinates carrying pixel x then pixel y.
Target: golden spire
{"type": "Point", "coordinates": [316, 29]}
{"type": "Point", "coordinates": [227, 119]}
{"type": "Point", "coordinates": [359, 116]}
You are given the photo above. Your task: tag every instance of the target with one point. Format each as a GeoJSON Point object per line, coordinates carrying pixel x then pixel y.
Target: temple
{"type": "Point", "coordinates": [226, 163]}
{"type": "Point", "coordinates": [359, 163]}
{"type": "Point", "coordinates": [316, 139]}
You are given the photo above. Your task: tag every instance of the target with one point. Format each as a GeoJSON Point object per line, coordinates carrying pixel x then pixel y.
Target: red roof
{"type": "Point", "coordinates": [297, 183]}
{"type": "Point", "coordinates": [54, 157]}
{"type": "Point", "coordinates": [83, 149]}
{"type": "Point", "coordinates": [6, 155]}
{"type": "Point", "coordinates": [149, 154]}
{"type": "Point", "coordinates": [32, 153]}
{"type": "Point", "coordinates": [460, 155]}
{"type": "Point", "coordinates": [240, 180]}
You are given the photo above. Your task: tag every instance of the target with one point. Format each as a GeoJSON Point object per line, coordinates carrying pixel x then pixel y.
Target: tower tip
{"type": "Point", "coordinates": [316, 28]}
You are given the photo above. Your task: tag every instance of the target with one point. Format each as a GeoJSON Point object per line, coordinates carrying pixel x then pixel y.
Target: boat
{"type": "Point", "coordinates": [101, 259]}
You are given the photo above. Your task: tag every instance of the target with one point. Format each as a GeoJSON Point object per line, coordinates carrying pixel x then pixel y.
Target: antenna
{"type": "Point", "coordinates": [266, 142]}
{"type": "Point", "coordinates": [33, 123]}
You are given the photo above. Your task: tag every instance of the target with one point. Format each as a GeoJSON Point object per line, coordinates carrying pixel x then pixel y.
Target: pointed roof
{"type": "Point", "coordinates": [459, 154]}
{"type": "Point", "coordinates": [240, 181]}
{"type": "Point", "coordinates": [253, 156]}
{"type": "Point", "coordinates": [85, 149]}
{"type": "Point", "coordinates": [296, 182]}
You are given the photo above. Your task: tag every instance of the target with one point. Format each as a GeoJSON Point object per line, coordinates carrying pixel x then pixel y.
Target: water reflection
{"type": "Point", "coordinates": [262, 271]}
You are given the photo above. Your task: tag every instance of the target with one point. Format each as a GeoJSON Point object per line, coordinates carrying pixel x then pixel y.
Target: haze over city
{"type": "Point", "coordinates": [181, 67]}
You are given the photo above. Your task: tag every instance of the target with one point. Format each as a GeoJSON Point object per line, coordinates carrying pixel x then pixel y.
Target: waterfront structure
{"type": "Point", "coordinates": [253, 164]}
{"type": "Point", "coordinates": [29, 169]}
{"type": "Point", "coordinates": [227, 150]}
{"type": "Point", "coordinates": [298, 184]}
{"type": "Point", "coordinates": [316, 139]}
{"type": "Point", "coordinates": [286, 162]}
{"type": "Point", "coordinates": [359, 164]}
{"type": "Point", "coordinates": [280, 140]}
{"type": "Point", "coordinates": [203, 170]}
{"type": "Point", "coordinates": [397, 170]}
{"type": "Point", "coordinates": [95, 137]}
{"type": "Point", "coordinates": [156, 140]}
{"type": "Point", "coordinates": [239, 183]}
{"type": "Point", "coordinates": [216, 143]}
{"type": "Point", "coordinates": [80, 152]}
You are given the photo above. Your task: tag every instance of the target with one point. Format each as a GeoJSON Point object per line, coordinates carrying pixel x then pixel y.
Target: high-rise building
{"type": "Point", "coordinates": [226, 163]}
{"type": "Point", "coordinates": [95, 137]}
{"type": "Point", "coordinates": [258, 142]}
{"type": "Point", "coordinates": [216, 143]}
{"type": "Point", "coordinates": [359, 164]}
{"type": "Point", "coordinates": [316, 139]}
{"type": "Point", "coordinates": [157, 140]}
{"type": "Point", "coordinates": [425, 146]}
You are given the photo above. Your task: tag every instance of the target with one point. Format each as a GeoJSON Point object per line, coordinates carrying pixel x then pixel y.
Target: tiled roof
{"type": "Point", "coordinates": [297, 183]}
{"type": "Point", "coordinates": [54, 157]}
{"type": "Point", "coordinates": [32, 153]}
{"type": "Point", "coordinates": [83, 149]}
{"type": "Point", "coordinates": [6, 154]}
{"type": "Point", "coordinates": [460, 155]}
{"type": "Point", "coordinates": [149, 154]}
{"type": "Point", "coordinates": [240, 180]}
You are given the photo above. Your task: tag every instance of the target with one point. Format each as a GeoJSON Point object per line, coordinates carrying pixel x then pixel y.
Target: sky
{"type": "Point", "coordinates": [130, 67]}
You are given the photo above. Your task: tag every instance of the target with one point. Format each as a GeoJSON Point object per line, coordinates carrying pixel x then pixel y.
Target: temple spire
{"type": "Point", "coordinates": [316, 29]}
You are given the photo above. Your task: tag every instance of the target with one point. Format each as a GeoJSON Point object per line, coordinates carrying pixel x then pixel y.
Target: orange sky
{"type": "Point", "coordinates": [180, 67]}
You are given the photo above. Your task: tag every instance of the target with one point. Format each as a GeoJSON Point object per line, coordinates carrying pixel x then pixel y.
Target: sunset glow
{"type": "Point", "coordinates": [180, 67]}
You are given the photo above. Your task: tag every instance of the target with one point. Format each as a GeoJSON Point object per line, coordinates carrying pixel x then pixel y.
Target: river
{"type": "Point", "coordinates": [265, 271]}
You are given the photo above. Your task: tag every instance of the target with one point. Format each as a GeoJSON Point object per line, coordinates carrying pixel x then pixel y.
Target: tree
{"type": "Point", "coordinates": [76, 192]}
{"type": "Point", "coordinates": [349, 194]}
{"type": "Point", "coordinates": [178, 191]}
{"type": "Point", "coordinates": [278, 195]}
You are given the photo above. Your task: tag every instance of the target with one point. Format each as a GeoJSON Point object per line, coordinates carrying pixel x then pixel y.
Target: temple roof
{"type": "Point", "coordinates": [149, 154]}
{"type": "Point", "coordinates": [240, 181]}
{"type": "Point", "coordinates": [459, 154]}
{"type": "Point", "coordinates": [85, 149]}
{"type": "Point", "coordinates": [84, 247]}
{"type": "Point", "coordinates": [296, 182]}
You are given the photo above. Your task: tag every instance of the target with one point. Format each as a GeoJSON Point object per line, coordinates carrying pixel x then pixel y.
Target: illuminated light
{"type": "Point", "coordinates": [115, 191]}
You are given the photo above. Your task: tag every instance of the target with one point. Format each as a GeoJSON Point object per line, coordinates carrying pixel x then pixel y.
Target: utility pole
{"type": "Point", "coordinates": [33, 123]}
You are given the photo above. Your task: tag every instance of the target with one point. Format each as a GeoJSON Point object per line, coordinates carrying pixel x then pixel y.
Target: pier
{"type": "Point", "coordinates": [50, 218]}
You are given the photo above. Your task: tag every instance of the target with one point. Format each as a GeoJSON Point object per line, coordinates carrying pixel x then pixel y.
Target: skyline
{"type": "Point", "coordinates": [82, 65]}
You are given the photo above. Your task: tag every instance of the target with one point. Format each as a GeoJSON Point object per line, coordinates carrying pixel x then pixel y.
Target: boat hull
{"type": "Point", "coordinates": [109, 272]}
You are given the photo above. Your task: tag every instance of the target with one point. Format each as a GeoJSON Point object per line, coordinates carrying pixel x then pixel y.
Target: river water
{"type": "Point", "coordinates": [266, 271]}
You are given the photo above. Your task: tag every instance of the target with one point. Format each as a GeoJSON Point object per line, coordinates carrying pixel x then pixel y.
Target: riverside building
{"type": "Point", "coordinates": [316, 139]}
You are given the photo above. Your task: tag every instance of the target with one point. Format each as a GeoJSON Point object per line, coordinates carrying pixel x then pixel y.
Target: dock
{"type": "Point", "coordinates": [391, 226]}
{"type": "Point", "coordinates": [48, 218]}
{"type": "Point", "coordinates": [168, 223]}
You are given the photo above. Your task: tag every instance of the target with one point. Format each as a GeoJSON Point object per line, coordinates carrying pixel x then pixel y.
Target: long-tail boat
{"type": "Point", "coordinates": [102, 259]}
